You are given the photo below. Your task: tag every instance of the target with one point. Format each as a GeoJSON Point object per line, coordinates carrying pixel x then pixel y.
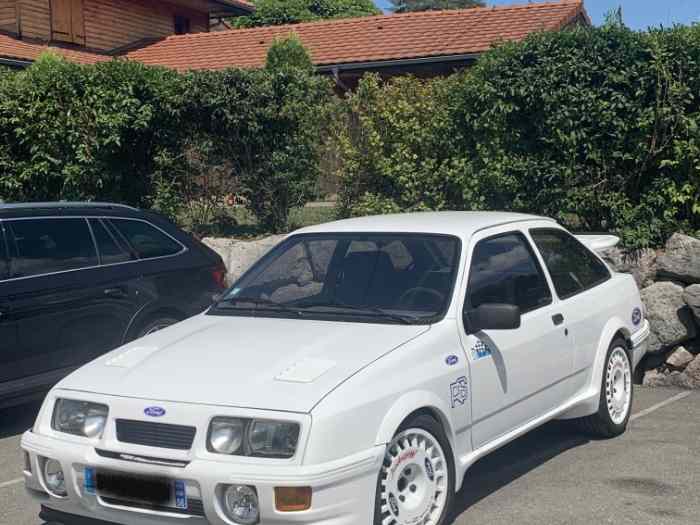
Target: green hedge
{"type": "Point", "coordinates": [597, 127]}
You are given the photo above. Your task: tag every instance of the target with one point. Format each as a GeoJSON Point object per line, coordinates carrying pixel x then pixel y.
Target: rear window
{"type": "Point", "coordinates": [41, 246]}
{"type": "Point", "coordinates": [111, 249]}
{"type": "Point", "coordinates": [146, 240]}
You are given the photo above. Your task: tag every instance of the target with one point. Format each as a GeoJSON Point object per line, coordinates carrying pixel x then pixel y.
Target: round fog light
{"type": "Point", "coordinates": [54, 478]}
{"type": "Point", "coordinates": [241, 503]}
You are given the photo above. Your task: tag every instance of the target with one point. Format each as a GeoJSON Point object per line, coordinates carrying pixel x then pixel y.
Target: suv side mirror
{"type": "Point", "coordinates": [492, 316]}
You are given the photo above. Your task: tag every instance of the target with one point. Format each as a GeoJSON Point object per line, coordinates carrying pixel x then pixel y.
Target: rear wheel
{"type": "Point", "coordinates": [616, 395]}
{"type": "Point", "coordinates": [154, 325]}
{"type": "Point", "coordinates": [416, 481]}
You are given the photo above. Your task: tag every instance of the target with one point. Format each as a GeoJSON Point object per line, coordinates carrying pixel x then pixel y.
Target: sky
{"type": "Point", "coordinates": [637, 14]}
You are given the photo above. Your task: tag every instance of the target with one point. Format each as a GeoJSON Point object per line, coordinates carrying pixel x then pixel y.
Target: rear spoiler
{"type": "Point", "coordinates": [597, 242]}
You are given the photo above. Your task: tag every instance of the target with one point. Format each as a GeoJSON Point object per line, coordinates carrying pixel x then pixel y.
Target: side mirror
{"type": "Point", "coordinates": [492, 316]}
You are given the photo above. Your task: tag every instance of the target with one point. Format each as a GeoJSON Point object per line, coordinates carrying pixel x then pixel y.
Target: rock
{"type": "Point", "coordinates": [670, 318]}
{"type": "Point", "coordinates": [690, 378]}
{"type": "Point", "coordinates": [640, 263]}
{"type": "Point", "coordinates": [681, 260]}
{"type": "Point", "coordinates": [691, 296]}
{"type": "Point", "coordinates": [654, 378]}
{"type": "Point", "coordinates": [679, 358]}
{"type": "Point", "coordinates": [238, 255]}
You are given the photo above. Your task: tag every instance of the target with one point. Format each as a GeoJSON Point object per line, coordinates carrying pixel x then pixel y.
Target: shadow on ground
{"type": "Point", "coordinates": [513, 461]}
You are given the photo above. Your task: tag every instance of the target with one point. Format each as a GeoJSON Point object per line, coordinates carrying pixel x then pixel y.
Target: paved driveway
{"type": "Point", "coordinates": [551, 476]}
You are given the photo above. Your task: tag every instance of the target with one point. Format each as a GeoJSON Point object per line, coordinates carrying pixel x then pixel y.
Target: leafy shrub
{"type": "Point", "coordinates": [278, 12]}
{"type": "Point", "coordinates": [288, 52]}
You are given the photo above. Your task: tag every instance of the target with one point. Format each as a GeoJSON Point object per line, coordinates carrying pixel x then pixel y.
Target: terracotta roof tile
{"type": "Point", "coordinates": [375, 38]}
{"type": "Point", "coordinates": [16, 49]}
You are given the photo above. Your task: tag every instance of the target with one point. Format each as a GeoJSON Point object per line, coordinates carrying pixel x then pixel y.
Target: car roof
{"type": "Point", "coordinates": [459, 223]}
{"type": "Point", "coordinates": [62, 207]}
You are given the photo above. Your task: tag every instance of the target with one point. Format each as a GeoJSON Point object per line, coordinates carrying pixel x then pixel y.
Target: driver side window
{"type": "Point", "coordinates": [504, 270]}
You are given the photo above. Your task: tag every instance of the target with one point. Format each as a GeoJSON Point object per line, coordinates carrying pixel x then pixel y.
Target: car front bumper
{"type": "Point", "coordinates": [342, 490]}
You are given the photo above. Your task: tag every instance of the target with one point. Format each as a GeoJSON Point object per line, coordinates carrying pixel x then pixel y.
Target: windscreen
{"type": "Point", "coordinates": [405, 278]}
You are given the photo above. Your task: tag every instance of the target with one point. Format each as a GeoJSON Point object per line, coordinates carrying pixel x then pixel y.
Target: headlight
{"type": "Point", "coordinates": [253, 437]}
{"type": "Point", "coordinates": [79, 418]}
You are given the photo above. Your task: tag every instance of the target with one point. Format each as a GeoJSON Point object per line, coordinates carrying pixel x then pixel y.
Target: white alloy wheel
{"type": "Point", "coordinates": [618, 385]}
{"type": "Point", "coordinates": [414, 480]}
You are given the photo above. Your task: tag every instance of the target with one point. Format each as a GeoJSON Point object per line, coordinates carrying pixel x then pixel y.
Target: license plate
{"type": "Point", "coordinates": [132, 488]}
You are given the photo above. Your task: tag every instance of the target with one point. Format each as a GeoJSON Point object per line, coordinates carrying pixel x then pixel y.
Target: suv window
{"type": "Point", "coordinates": [41, 246]}
{"type": "Point", "coordinates": [505, 270]}
{"type": "Point", "coordinates": [572, 266]}
{"type": "Point", "coordinates": [146, 240]}
{"type": "Point", "coordinates": [111, 250]}
{"type": "Point", "coordinates": [4, 262]}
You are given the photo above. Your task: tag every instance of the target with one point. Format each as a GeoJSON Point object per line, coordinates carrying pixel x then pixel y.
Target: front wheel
{"type": "Point", "coordinates": [416, 482]}
{"type": "Point", "coordinates": [616, 395]}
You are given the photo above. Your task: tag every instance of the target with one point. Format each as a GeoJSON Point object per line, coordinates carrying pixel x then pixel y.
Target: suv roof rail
{"type": "Point", "coordinates": [63, 205]}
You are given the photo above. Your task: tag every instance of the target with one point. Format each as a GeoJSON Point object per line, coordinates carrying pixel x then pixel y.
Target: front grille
{"type": "Point", "coordinates": [159, 435]}
{"type": "Point", "coordinates": [195, 507]}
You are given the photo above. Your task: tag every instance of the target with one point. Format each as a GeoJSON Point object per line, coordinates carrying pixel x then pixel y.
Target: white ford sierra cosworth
{"type": "Point", "coordinates": [351, 376]}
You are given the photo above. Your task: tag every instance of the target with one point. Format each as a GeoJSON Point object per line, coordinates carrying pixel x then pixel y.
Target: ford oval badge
{"type": "Point", "coordinates": [451, 360]}
{"type": "Point", "coordinates": [154, 411]}
{"type": "Point", "coordinates": [636, 316]}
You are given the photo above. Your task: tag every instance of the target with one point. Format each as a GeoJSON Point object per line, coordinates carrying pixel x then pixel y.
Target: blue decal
{"type": "Point", "coordinates": [481, 350]}
{"type": "Point", "coordinates": [154, 411]}
{"type": "Point", "coordinates": [180, 495]}
{"type": "Point", "coordinates": [459, 391]}
{"type": "Point", "coordinates": [89, 481]}
{"type": "Point", "coordinates": [636, 316]}
{"type": "Point", "coordinates": [451, 360]}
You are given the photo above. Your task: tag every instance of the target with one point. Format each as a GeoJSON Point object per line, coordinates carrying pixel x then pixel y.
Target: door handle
{"type": "Point", "coordinates": [557, 319]}
{"type": "Point", "coordinates": [115, 292]}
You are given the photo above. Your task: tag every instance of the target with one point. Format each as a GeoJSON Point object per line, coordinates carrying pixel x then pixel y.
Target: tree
{"type": "Point", "coordinates": [408, 6]}
{"type": "Point", "coordinates": [288, 52]}
{"type": "Point", "coordinates": [279, 12]}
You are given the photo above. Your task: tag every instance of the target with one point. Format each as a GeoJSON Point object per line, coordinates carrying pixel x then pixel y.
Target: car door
{"type": "Point", "coordinates": [516, 375]}
{"type": "Point", "coordinates": [63, 316]}
{"type": "Point", "coordinates": [577, 275]}
{"type": "Point", "coordinates": [9, 356]}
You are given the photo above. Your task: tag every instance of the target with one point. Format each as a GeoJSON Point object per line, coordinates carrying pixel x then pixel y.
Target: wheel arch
{"type": "Point", "coordinates": [147, 314]}
{"type": "Point", "coordinates": [410, 405]}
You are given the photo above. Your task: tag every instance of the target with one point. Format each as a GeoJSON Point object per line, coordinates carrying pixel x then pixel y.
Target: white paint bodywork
{"type": "Point", "coordinates": [349, 385]}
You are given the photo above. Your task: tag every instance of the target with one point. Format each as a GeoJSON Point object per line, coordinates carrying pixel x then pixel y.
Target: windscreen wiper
{"type": "Point", "coordinates": [378, 312]}
{"type": "Point", "coordinates": [256, 303]}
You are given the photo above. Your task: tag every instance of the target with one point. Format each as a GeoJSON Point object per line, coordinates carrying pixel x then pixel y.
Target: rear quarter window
{"type": "Point", "coordinates": [146, 240]}
{"type": "Point", "coordinates": [572, 266]}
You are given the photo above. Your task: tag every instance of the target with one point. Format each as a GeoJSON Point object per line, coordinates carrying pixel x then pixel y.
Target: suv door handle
{"type": "Point", "coordinates": [115, 292]}
{"type": "Point", "coordinates": [557, 319]}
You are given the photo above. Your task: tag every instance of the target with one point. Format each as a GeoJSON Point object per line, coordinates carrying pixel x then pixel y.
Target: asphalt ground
{"type": "Point", "coordinates": [553, 475]}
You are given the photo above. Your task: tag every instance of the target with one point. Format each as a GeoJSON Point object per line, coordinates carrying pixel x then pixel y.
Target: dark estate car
{"type": "Point", "coordinates": [79, 279]}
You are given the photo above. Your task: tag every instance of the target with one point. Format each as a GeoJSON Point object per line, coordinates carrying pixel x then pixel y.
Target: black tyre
{"type": "Point", "coordinates": [616, 395]}
{"type": "Point", "coordinates": [154, 325]}
{"type": "Point", "coordinates": [417, 480]}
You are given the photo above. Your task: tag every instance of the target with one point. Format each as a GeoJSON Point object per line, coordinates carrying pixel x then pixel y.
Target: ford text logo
{"type": "Point", "coordinates": [154, 411]}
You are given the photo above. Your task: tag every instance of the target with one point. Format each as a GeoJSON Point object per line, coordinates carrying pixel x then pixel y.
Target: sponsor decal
{"type": "Point", "coordinates": [89, 483]}
{"type": "Point", "coordinates": [429, 469]}
{"type": "Point", "coordinates": [636, 316]}
{"type": "Point", "coordinates": [481, 350]}
{"type": "Point", "coordinates": [451, 360]}
{"type": "Point", "coordinates": [154, 411]}
{"type": "Point", "coordinates": [180, 495]}
{"type": "Point", "coordinates": [459, 391]}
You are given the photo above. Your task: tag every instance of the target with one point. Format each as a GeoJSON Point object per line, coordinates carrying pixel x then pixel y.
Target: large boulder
{"type": "Point", "coordinates": [239, 255]}
{"type": "Point", "coordinates": [690, 378]}
{"type": "Point", "coordinates": [691, 296]}
{"type": "Point", "coordinates": [670, 318]}
{"type": "Point", "coordinates": [681, 260]}
{"type": "Point", "coordinates": [656, 378]}
{"type": "Point", "coordinates": [679, 358]}
{"type": "Point", "coordinates": [640, 263]}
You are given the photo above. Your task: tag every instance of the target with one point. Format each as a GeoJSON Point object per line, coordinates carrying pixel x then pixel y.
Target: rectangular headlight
{"type": "Point", "coordinates": [253, 437]}
{"type": "Point", "coordinates": [80, 418]}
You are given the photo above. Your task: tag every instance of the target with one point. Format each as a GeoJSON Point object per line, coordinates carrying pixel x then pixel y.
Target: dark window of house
{"type": "Point", "coordinates": [145, 240]}
{"type": "Point", "coordinates": [182, 25]}
{"type": "Point", "coordinates": [111, 250]}
{"type": "Point", "coordinates": [41, 246]}
{"type": "Point", "coordinates": [572, 266]}
{"type": "Point", "coordinates": [504, 270]}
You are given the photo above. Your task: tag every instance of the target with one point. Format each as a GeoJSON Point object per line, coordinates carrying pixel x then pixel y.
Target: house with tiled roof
{"type": "Point", "coordinates": [425, 43]}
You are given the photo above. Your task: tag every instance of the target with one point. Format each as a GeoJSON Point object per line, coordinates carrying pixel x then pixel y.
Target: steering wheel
{"type": "Point", "coordinates": [417, 290]}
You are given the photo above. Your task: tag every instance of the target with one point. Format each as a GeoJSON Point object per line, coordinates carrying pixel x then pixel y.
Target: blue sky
{"type": "Point", "coordinates": [638, 14]}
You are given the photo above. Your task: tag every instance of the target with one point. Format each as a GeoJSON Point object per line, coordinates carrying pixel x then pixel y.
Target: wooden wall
{"type": "Point", "coordinates": [111, 24]}
{"type": "Point", "coordinates": [8, 15]}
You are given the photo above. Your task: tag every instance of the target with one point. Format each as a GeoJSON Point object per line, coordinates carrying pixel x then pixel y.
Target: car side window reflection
{"type": "Point", "coordinates": [4, 261]}
{"type": "Point", "coordinates": [572, 266]}
{"type": "Point", "coordinates": [505, 270]}
{"type": "Point", "coordinates": [148, 242]}
{"type": "Point", "coordinates": [42, 246]}
{"type": "Point", "coordinates": [111, 250]}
